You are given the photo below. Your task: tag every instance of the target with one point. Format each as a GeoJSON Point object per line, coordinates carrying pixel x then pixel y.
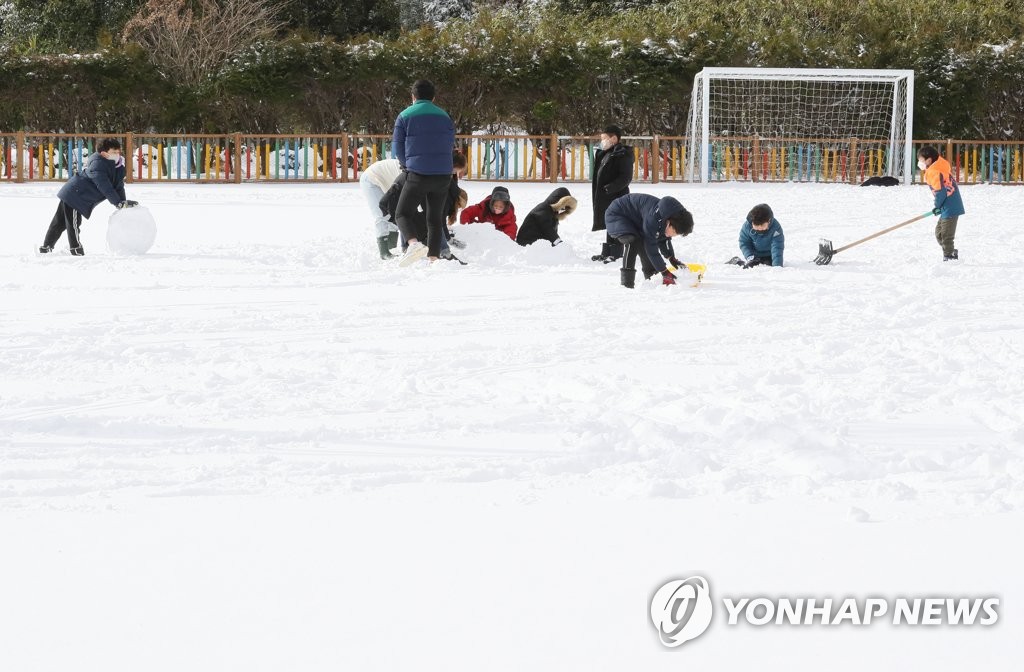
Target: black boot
{"type": "Point", "coordinates": [614, 252]}
{"type": "Point", "coordinates": [45, 249]}
{"type": "Point", "coordinates": [382, 247]}
{"type": "Point", "coordinates": [78, 251]}
{"type": "Point", "coordinates": [603, 255]}
{"type": "Point", "coordinates": [952, 257]}
{"type": "Point", "coordinates": [393, 240]}
{"type": "Point", "coordinates": [628, 277]}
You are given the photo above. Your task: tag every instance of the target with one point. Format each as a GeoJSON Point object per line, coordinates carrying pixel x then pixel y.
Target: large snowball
{"type": "Point", "coordinates": [131, 231]}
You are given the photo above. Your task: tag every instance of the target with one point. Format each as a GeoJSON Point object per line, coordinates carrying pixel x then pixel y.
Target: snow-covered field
{"type": "Point", "coordinates": [258, 447]}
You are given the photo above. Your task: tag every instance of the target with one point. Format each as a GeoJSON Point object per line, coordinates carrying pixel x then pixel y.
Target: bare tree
{"type": "Point", "coordinates": [192, 44]}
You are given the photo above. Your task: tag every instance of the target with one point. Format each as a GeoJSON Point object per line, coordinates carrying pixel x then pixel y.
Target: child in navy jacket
{"type": "Point", "coordinates": [102, 179]}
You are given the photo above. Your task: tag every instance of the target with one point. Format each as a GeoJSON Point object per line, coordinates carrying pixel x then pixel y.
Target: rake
{"type": "Point", "coordinates": [825, 251]}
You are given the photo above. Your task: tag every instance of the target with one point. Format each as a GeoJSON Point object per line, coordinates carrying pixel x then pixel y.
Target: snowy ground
{"type": "Point", "coordinates": [258, 447]}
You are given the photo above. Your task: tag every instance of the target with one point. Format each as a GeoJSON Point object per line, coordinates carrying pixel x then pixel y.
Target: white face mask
{"type": "Point", "coordinates": [922, 164]}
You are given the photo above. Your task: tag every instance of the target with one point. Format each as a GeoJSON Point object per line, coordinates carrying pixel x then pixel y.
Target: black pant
{"type": "Point", "coordinates": [431, 191]}
{"type": "Point", "coordinates": [631, 248]}
{"type": "Point", "coordinates": [65, 219]}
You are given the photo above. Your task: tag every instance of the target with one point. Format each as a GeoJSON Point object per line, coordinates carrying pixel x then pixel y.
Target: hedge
{"type": "Point", "coordinates": [563, 74]}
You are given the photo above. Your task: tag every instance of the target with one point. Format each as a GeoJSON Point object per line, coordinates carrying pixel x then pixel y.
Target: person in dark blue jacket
{"type": "Point", "coordinates": [102, 179]}
{"type": "Point", "coordinates": [761, 239]}
{"type": "Point", "coordinates": [645, 225]}
{"type": "Point", "coordinates": [423, 141]}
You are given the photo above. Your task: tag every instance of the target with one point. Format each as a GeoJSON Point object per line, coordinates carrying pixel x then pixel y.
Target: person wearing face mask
{"type": "Point", "coordinates": [762, 242]}
{"type": "Point", "coordinates": [613, 171]}
{"type": "Point", "coordinates": [102, 179]}
{"type": "Point", "coordinates": [948, 205]}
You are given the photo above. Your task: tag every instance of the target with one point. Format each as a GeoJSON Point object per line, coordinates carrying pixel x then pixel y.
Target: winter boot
{"type": "Point", "coordinates": [392, 240]}
{"type": "Point", "coordinates": [447, 254]}
{"type": "Point", "coordinates": [628, 277]}
{"type": "Point", "coordinates": [384, 248]}
{"type": "Point", "coordinates": [609, 252]}
{"type": "Point", "coordinates": [78, 251]}
{"type": "Point", "coordinates": [45, 249]}
{"type": "Point", "coordinates": [952, 257]}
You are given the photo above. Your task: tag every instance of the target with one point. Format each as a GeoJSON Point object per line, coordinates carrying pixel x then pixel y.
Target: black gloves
{"type": "Point", "coordinates": [676, 263]}
{"type": "Point", "coordinates": [127, 204]}
{"type": "Point", "coordinates": [753, 261]}
{"type": "Point", "coordinates": [936, 211]}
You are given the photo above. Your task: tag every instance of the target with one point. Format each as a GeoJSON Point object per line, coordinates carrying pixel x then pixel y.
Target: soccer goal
{"type": "Point", "coordinates": [796, 123]}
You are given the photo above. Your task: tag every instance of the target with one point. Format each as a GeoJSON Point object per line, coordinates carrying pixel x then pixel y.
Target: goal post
{"type": "Point", "coordinates": [739, 113]}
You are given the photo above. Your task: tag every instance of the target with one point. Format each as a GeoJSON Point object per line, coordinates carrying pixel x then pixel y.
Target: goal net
{"type": "Point", "coordinates": [794, 123]}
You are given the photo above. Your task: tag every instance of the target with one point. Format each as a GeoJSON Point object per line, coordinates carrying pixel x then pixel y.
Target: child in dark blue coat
{"type": "Point", "coordinates": [645, 225]}
{"type": "Point", "coordinates": [102, 179]}
{"type": "Point", "coordinates": [761, 239]}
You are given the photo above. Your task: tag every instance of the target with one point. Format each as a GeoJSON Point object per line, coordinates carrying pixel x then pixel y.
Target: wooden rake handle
{"type": "Point", "coordinates": [882, 232]}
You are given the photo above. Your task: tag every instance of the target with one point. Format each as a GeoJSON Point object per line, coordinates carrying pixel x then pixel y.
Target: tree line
{"type": "Point", "coordinates": [567, 66]}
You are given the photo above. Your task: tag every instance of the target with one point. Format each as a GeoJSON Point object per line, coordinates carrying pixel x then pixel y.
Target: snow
{"type": "Point", "coordinates": [131, 231]}
{"type": "Point", "coordinates": [259, 447]}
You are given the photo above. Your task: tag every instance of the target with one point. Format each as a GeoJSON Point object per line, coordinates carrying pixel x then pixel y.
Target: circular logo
{"type": "Point", "coordinates": [681, 610]}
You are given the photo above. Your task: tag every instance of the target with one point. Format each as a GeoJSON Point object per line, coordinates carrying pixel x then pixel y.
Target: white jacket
{"type": "Point", "coordinates": [383, 173]}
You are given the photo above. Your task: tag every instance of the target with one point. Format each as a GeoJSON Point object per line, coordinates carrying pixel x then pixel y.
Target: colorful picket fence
{"type": "Point", "coordinates": [42, 157]}
{"type": "Point", "coordinates": [976, 162]}
{"type": "Point", "coordinates": [235, 158]}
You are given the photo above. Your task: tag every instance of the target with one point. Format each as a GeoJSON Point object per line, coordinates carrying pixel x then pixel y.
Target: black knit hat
{"type": "Point", "coordinates": [500, 194]}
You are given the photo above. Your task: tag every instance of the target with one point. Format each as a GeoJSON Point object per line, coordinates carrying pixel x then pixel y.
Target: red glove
{"type": "Point", "coordinates": [667, 278]}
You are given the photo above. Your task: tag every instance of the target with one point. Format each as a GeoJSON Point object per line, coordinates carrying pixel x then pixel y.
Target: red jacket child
{"type": "Point", "coordinates": [496, 209]}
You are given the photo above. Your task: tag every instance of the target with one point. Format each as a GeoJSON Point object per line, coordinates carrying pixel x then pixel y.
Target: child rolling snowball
{"type": "Point", "coordinates": [102, 179]}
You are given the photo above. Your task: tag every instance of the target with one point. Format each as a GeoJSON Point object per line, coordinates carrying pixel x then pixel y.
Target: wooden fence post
{"type": "Point", "coordinates": [949, 151]}
{"type": "Point", "coordinates": [129, 157]}
{"type": "Point", "coordinates": [344, 157]}
{"type": "Point", "coordinates": [755, 172]}
{"type": "Point", "coordinates": [656, 150]}
{"type": "Point", "coordinates": [238, 158]}
{"type": "Point", "coordinates": [19, 147]}
{"type": "Point", "coordinates": [852, 164]}
{"type": "Point", "coordinates": [553, 158]}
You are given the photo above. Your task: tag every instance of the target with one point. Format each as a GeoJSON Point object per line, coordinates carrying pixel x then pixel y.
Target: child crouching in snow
{"type": "Point", "coordinates": [496, 209]}
{"type": "Point", "coordinates": [761, 239]}
{"type": "Point", "coordinates": [645, 225]}
{"type": "Point", "coordinates": [542, 222]}
{"type": "Point", "coordinates": [102, 179]}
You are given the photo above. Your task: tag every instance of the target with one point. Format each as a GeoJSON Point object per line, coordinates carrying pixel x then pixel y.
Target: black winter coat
{"type": "Point", "coordinates": [542, 222]}
{"type": "Point", "coordinates": [612, 174]}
